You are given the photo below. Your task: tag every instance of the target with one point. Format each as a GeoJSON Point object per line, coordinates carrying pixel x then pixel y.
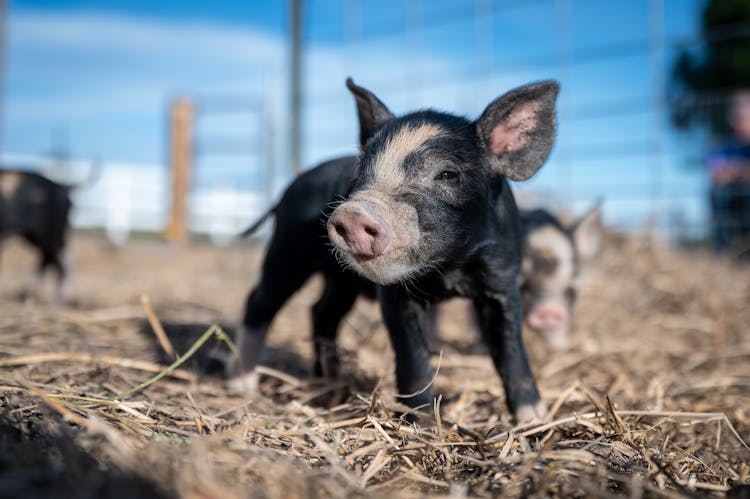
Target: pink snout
{"type": "Point", "coordinates": [357, 230]}
{"type": "Point", "coordinates": [547, 318]}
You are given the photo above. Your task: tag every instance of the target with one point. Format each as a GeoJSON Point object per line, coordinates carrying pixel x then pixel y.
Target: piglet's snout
{"type": "Point", "coordinates": [547, 318]}
{"type": "Point", "coordinates": [356, 229]}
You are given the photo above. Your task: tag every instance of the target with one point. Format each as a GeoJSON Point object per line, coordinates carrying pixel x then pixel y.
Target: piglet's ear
{"type": "Point", "coordinates": [372, 113]}
{"type": "Point", "coordinates": [517, 130]}
{"type": "Point", "coordinates": [587, 232]}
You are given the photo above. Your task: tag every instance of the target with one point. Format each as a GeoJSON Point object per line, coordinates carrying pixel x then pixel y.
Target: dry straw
{"type": "Point", "coordinates": [652, 400]}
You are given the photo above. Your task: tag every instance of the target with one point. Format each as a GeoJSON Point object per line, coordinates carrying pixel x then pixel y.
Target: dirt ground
{"type": "Point", "coordinates": [652, 399]}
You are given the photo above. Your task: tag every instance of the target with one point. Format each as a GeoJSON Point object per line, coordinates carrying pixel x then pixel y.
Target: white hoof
{"type": "Point", "coordinates": [531, 413]}
{"type": "Point", "coordinates": [244, 384]}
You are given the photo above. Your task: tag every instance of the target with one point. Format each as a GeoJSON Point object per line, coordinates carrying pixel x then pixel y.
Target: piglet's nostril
{"type": "Point", "coordinates": [340, 229]}
{"type": "Point", "coordinates": [372, 231]}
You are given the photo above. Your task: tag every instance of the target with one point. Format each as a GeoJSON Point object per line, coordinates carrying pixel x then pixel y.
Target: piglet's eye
{"type": "Point", "coordinates": [571, 294]}
{"type": "Point", "coordinates": [447, 176]}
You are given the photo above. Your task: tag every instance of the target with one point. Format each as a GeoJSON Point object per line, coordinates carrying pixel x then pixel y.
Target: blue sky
{"type": "Point", "coordinates": [269, 15]}
{"type": "Point", "coordinates": [94, 78]}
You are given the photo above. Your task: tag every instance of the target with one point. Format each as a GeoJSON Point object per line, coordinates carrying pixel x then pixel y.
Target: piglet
{"type": "Point", "coordinates": [430, 215]}
{"type": "Point", "coordinates": [552, 258]}
{"type": "Point", "coordinates": [36, 209]}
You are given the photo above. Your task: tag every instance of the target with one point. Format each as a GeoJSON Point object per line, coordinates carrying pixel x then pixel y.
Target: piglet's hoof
{"type": "Point", "coordinates": [246, 384]}
{"type": "Point", "coordinates": [529, 413]}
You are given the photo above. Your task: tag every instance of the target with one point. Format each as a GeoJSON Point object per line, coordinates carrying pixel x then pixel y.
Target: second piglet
{"type": "Point", "coordinates": [431, 215]}
{"type": "Point", "coordinates": [552, 257]}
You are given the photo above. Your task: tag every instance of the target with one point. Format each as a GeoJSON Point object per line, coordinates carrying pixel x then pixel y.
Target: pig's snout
{"type": "Point", "coordinates": [547, 318]}
{"type": "Point", "coordinates": [354, 228]}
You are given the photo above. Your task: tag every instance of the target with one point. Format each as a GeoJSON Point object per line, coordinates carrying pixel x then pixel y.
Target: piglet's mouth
{"type": "Point", "coordinates": [367, 265]}
{"type": "Point", "coordinates": [362, 258]}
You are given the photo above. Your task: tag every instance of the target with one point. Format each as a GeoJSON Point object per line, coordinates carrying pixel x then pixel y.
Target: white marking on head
{"type": "Point", "coordinates": [551, 243]}
{"type": "Point", "coordinates": [388, 170]}
{"type": "Point", "coordinates": [9, 182]}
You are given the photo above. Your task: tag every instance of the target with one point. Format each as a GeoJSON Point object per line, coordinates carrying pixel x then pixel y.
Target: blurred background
{"type": "Point", "coordinates": [238, 96]}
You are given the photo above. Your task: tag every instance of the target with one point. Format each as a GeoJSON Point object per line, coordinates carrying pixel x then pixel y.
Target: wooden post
{"type": "Point", "coordinates": [181, 155]}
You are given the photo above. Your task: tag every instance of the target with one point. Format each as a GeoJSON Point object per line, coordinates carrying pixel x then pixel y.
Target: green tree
{"type": "Point", "coordinates": [702, 77]}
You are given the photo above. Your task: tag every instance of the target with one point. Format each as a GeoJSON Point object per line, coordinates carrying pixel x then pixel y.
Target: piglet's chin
{"type": "Point", "coordinates": [377, 270]}
{"type": "Point", "coordinates": [557, 340]}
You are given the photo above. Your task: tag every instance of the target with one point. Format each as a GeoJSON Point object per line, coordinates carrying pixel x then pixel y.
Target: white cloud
{"type": "Point", "coordinates": [110, 35]}
{"type": "Point", "coordinates": [83, 70]}
{"type": "Point", "coordinates": [105, 80]}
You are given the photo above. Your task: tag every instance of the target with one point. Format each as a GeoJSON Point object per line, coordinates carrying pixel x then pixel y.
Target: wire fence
{"type": "Point", "coordinates": [616, 140]}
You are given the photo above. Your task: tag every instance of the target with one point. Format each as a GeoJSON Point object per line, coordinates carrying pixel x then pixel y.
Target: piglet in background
{"type": "Point", "coordinates": [37, 209]}
{"type": "Point", "coordinates": [552, 258]}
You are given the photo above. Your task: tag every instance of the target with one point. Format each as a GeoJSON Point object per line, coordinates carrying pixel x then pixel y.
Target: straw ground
{"type": "Point", "coordinates": [652, 400]}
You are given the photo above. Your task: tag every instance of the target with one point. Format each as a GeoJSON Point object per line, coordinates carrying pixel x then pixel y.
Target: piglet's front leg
{"type": "Point", "coordinates": [404, 319]}
{"type": "Point", "coordinates": [499, 318]}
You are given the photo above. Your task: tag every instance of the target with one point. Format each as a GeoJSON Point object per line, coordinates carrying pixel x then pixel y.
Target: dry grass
{"type": "Point", "coordinates": [653, 399]}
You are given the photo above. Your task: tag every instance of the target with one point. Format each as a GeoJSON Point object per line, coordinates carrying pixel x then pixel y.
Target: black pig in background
{"type": "Point", "coordinates": [37, 209]}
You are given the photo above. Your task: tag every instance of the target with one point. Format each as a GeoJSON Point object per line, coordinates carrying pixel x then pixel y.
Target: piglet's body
{"type": "Point", "coordinates": [429, 215]}
{"type": "Point", "coordinates": [552, 255]}
{"type": "Point", "coordinates": [36, 209]}
{"type": "Point", "coordinates": [447, 225]}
